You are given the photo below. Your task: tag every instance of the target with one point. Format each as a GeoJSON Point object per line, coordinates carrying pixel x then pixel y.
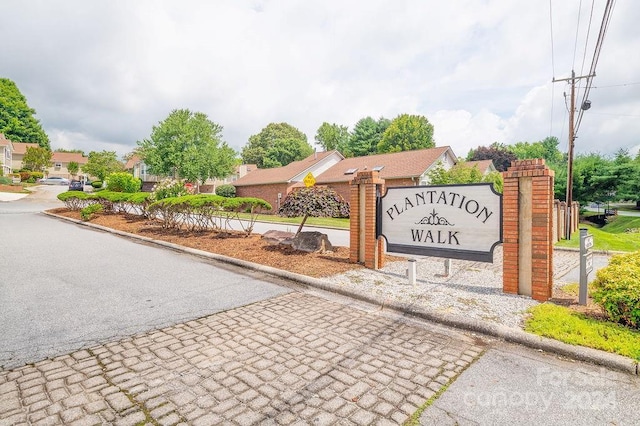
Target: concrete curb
{"type": "Point", "coordinates": [508, 334]}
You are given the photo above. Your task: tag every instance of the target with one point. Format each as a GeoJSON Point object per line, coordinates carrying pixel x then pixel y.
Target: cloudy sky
{"type": "Point", "coordinates": [101, 73]}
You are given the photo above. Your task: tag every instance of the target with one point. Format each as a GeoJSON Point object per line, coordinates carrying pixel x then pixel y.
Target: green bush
{"type": "Point", "coordinates": [123, 182]}
{"type": "Point", "coordinates": [314, 202]}
{"type": "Point", "coordinates": [37, 175]}
{"type": "Point", "coordinates": [88, 212]}
{"type": "Point", "coordinates": [96, 184]}
{"type": "Point", "coordinates": [227, 191]}
{"type": "Point", "coordinates": [617, 289]}
{"type": "Point", "coordinates": [5, 180]}
{"type": "Point", "coordinates": [24, 176]}
{"type": "Point", "coordinates": [75, 200]}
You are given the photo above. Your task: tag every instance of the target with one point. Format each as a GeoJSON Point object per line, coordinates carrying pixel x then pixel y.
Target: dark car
{"type": "Point", "coordinates": [76, 185]}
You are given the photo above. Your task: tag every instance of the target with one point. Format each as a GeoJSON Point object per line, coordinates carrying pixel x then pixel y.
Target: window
{"type": "Point", "coordinates": [377, 168]}
{"type": "Point", "coordinates": [351, 171]}
{"type": "Point", "coordinates": [57, 166]}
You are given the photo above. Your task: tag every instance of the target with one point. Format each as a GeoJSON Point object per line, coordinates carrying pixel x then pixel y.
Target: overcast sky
{"type": "Point", "coordinates": [101, 73]}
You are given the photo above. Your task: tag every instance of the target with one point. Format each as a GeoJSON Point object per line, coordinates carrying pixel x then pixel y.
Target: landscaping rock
{"type": "Point", "coordinates": [310, 242]}
{"type": "Point", "coordinates": [274, 237]}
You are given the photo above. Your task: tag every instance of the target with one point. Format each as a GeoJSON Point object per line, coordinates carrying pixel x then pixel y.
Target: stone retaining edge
{"type": "Point", "coordinates": [513, 335]}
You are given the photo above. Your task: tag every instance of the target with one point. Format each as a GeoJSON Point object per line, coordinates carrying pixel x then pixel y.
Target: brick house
{"type": "Point", "coordinates": [273, 185]}
{"type": "Point", "coordinates": [331, 169]}
{"type": "Point", "coordinates": [407, 168]}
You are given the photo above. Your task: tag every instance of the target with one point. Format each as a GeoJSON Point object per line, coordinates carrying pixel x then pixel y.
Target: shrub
{"type": "Point", "coordinates": [5, 180]}
{"type": "Point", "coordinates": [168, 188]}
{"type": "Point", "coordinates": [75, 200]}
{"type": "Point", "coordinates": [24, 176]}
{"type": "Point", "coordinates": [37, 175]}
{"type": "Point", "coordinates": [617, 289]}
{"type": "Point", "coordinates": [315, 202]}
{"type": "Point", "coordinates": [227, 191]}
{"type": "Point", "coordinates": [123, 182]}
{"type": "Point", "coordinates": [88, 212]}
{"type": "Point", "coordinates": [96, 184]}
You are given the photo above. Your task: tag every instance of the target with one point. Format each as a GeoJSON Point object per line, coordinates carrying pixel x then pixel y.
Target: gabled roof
{"type": "Point", "coordinates": [4, 141]}
{"type": "Point", "coordinates": [405, 164]}
{"type": "Point", "coordinates": [283, 174]}
{"type": "Point", "coordinates": [484, 166]}
{"type": "Point", "coordinates": [67, 157]}
{"type": "Point", "coordinates": [131, 162]}
{"type": "Point", "coordinates": [20, 148]}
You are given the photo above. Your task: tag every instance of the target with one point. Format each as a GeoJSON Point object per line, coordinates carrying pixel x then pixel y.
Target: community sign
{"type": "Point", "coordinates": [452, 221]}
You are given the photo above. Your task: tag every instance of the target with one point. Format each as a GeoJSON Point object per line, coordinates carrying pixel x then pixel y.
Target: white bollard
{"type": "Point", "coordinates": [447, 267]}
{"type": "Point", "coordinates": [411, 272]}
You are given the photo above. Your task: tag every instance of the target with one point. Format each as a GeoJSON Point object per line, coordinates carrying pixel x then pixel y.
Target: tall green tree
{"type": "Point", "coordinates": [366, 135]}
{"type": "Point", "coordinates": [276, 145]}
{"type": "Point", "coordinates": [187, 145]}
{"type": "Point", "coordinates": [406, 133]}
{"type": "Point", "coordinates": [332, 136]}
{"type": "Point", "coordinates": [36, 158]}
{"type": "Point", "coordinates": [17, 120]}
{"type": "Point", "coordinates": [102, 164]}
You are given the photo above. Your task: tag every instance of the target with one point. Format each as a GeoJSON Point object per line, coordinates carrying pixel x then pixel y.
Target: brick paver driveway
{"type": "Point", "coordinates": [297, 358]}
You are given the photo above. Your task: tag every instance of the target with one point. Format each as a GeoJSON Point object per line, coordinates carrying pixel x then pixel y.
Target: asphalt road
{"type": "Point", "coordinates": [65, 287]}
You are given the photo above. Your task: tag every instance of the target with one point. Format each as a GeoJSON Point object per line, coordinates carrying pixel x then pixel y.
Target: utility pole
{"type": "Point", "coordinates": [572, 138]}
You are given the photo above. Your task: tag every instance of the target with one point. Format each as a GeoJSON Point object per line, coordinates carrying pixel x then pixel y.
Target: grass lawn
{"type": "Point", "coordinates": [317, 221]}
{"type": "Point", "coordinates": [611, 237]}
{"type": "Point", "coordinates": [565, 325]}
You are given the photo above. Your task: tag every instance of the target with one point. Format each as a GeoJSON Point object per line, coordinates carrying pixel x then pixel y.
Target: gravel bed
{"type": "Point", "coordinates": [472, 289]}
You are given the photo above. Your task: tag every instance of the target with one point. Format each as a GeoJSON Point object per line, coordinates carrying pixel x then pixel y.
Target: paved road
{"type": "Point", "coordinates": [64, 286]}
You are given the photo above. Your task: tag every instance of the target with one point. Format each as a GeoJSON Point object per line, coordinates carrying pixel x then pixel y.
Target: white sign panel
{"type": "Point", "coordinates": [453, 221]}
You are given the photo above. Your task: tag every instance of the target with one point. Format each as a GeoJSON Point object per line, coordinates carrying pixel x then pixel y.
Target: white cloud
{"type": "Point", "coordinates": [102, 73]}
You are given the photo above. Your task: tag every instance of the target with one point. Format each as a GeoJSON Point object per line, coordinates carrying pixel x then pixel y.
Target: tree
{"type": "Point", "coordinates": [406, 133]}
{"type": "Point", "coordinates": [17, 120]}
{"type": "Point", "coordinates": [36, 158]}
{"type": "Point", "coordinates": [499, 153]}
{"type": "Point", "coordinates": [314, 202]}
{"type": "Point", "coordinates": [72, 151]}
{"type": "Point", "coordinates": [366, 135]}
{"type": "Point", "coordinates": [546, 148]}
{"type": "Point", "coordinates": [332, 136]}
{"type": "Point", "coordinates": [463, 173]}
{"type": "Point", "coordinates": [73, 168]}
{"type": "Point", "coordinates": [276, 145]}
{"type": "Point", "coordinates": [102, 164]}
{"type": "Point", "coordinates": [187, 145]}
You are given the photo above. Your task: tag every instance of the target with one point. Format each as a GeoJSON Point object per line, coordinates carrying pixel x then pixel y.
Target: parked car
{"type": "Point", "coordinates": [76, 185]}
{"type": "Point", "coordinates": [54, 180]}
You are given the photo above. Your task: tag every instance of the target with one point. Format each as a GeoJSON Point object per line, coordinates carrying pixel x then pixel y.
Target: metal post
{"type": "Point", "coordinates": [447, 267]}
{"type": "Point", "coordinates": [586, 264]}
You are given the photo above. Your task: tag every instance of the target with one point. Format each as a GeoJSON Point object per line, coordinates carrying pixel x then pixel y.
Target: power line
{"type": "Point", "coordinates": [575, 46]}
{"type": "Point", "coordinates": [615, 85]}
{"type": "Point", "coordinates": [604, 26]}
{"type": "Point", "coordinates": [553, 68]}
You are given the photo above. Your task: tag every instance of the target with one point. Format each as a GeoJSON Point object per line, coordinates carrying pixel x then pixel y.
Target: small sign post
{"type": "Point", "coordinates": [309, 180]}
{"type": "Point", "coordinates": [586, 264]}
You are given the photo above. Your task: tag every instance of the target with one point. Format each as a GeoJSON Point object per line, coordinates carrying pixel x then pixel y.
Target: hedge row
{"type": "Point", "coordinates": [617, 289]}
{"type": "Point", "coordinates": [205, 211]}
{"type": "Point", "coordinates": [190, 212]}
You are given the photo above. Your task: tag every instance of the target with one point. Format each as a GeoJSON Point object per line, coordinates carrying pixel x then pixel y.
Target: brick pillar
{"type": "Point", "coordinates": [364, 247]}
{"type": "Point", "coordinates": [527, 216]}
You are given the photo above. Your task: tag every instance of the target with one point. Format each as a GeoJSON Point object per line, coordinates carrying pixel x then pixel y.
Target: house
{"type": "Point", "coordinates": [60, 163]}
{"type": "Point", "coordinates": [138, 168]}
{"type": "Point", "coordinates": [406, 168]}
{"type": "Point", "coordinates": [331, 169]}
{"type": "Point", "coordinates": [273, 185]}
{"type": "Point", "coordinates": [19, 149]}
{"type": "Point", "coordinates": [6, 152]}
{"type": "Point", "coordinates": [485, 166]}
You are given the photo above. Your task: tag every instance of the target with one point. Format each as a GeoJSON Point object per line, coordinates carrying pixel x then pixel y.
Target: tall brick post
{"type": "Point", "coordinates": [364, 247]}
{"type": "Point", "coordinates": [527, 217]}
